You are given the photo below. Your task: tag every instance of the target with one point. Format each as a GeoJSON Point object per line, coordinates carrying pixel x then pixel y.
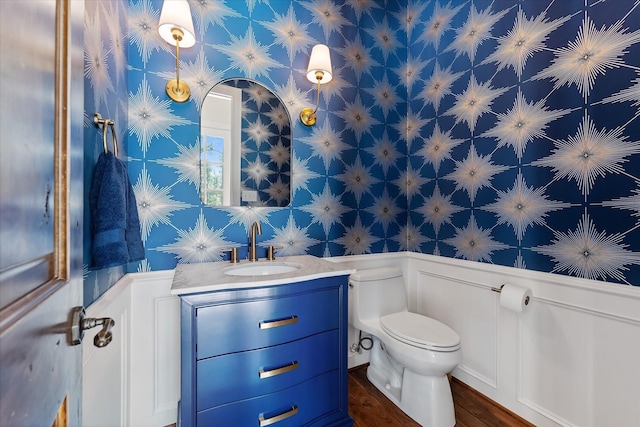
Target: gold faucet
{"type": "Point", "coordinates": [252, 240]}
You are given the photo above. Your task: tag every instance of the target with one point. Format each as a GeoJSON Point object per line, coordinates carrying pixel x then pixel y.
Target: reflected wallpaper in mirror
{"type": "Point", "coordinates": [245, 156]}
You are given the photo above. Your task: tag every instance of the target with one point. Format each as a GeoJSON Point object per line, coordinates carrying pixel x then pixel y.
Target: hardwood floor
{"type": "Point", "coordinates": [370, 408]}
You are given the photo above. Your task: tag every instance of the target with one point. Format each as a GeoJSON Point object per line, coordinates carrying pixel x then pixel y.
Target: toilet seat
{"type": "Point", "coordinates": [420, 331]}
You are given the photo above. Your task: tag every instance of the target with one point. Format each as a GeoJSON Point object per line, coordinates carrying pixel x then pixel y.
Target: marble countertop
{"type": "Point", "coordinates": [210, 276]}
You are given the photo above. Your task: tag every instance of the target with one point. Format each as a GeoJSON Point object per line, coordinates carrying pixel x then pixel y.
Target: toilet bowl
{"type": "Point", "coordinates": [411, 353]}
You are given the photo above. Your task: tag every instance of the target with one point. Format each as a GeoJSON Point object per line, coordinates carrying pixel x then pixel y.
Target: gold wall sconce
{"type": "Point", "coordinates": [319, 71]}
{"type": "Point", "coordinates": [176, 28]}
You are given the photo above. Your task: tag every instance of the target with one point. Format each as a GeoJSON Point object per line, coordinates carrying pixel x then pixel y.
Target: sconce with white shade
{"type": "Point", "coordinates": [319, 71]}
{"type": "Point", "coordinates": [176, 28]}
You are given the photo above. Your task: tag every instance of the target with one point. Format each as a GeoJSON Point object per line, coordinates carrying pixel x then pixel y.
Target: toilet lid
{"type": "Point", "coordinates": [420, 331]}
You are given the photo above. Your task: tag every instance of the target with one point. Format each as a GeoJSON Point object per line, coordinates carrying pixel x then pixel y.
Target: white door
{"type": "Point", "coordinates": [41, 118]}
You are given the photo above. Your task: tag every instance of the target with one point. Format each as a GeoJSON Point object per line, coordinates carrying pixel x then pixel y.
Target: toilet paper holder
{"type": "Point", "coordinates": [498, 290]}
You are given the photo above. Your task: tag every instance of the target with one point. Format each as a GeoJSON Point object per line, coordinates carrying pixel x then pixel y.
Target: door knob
{"type": "Point", "coordinates": [80, 323]}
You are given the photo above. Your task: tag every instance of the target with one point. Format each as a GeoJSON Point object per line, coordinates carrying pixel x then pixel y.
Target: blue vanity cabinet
{"type": "Point", "coordinates": [270, 355]}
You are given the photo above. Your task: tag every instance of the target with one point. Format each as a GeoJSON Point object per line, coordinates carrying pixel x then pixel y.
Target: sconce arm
{"type": "Point", "coordinates": [308, 116]}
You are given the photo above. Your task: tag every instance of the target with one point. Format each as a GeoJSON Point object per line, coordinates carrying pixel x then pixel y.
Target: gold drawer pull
{"type": "Point", "coordinates": [268, 421]}
{"type": "Point", "coordinates": [273, 372]}
{"type": "Point", "coordinates": [275, 323]}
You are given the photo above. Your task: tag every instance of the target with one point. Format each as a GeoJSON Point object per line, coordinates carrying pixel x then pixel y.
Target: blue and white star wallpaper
{"type": "Point", "coordinates": [497, 131]}
{"type": "Point", "coordinates": [347, 172]}
{"type": "Point", "coordinates": [531, 156]}
{"type": "Point", "coordinates": [105, 92]}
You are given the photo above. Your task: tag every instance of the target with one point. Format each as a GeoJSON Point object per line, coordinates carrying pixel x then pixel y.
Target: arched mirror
{"type": "Point", "coordinates": [245, 139]}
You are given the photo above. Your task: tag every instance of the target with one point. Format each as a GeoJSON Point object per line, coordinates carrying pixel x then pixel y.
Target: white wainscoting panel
{"type": "Point", "coordinates": [570, 358]}
{"type": "Point", "coordinates": [105, 371]}
{"type": "Point", "coordinates": [155, 350]}
{"type": "Point", "coordinates": [445, 299]}
{"type": "Point", "coordinates": [135, 380]}
{"type": "Point", "coordinates": [573, 365]}
{"type": "Point", "coordinates": [166, 353]}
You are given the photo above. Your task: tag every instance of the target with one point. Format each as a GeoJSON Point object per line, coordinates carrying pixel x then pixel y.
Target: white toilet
{"type": "Point", "coordinates": [411, 353]}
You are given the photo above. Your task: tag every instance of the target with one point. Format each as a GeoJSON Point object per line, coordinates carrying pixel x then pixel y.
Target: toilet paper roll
{"type": "Point", "coordinates": [515, 298]}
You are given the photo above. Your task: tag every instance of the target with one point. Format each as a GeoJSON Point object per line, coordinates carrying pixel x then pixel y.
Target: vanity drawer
{"type": "Point", "coordinates": [229, 328]}
{"type": "Point", "coordinates": [296, 406]}
{"type": "Point", "coordinates": [223, 379]}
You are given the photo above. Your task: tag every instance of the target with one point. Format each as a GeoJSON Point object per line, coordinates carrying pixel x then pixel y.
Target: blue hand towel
{"type": "Point", "coordinates": [115, 225]}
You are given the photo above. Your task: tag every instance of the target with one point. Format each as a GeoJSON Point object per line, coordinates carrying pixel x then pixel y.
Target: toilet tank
{"type": "Point", "coordinates": [377, 292]}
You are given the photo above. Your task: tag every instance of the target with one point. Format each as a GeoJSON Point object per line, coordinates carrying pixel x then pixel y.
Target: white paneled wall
{"type": "Point", "coordinates": [572, 358]}
{"type": "Point", "coordinates": [135, 380]}
{"type": "Point", "coordinates": [105, 371]}
{"type": "Point", "coordinates": [155, 350]}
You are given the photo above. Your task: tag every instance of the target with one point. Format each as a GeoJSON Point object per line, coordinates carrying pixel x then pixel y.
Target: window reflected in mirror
{"type": "Point", "coordinates": [212, 169]}
{"type": "Point", "coordinates": [245, 157]}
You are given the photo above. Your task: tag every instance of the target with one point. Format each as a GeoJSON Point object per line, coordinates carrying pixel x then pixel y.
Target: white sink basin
{"type": "Point", "coordinates": [262, 269]}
